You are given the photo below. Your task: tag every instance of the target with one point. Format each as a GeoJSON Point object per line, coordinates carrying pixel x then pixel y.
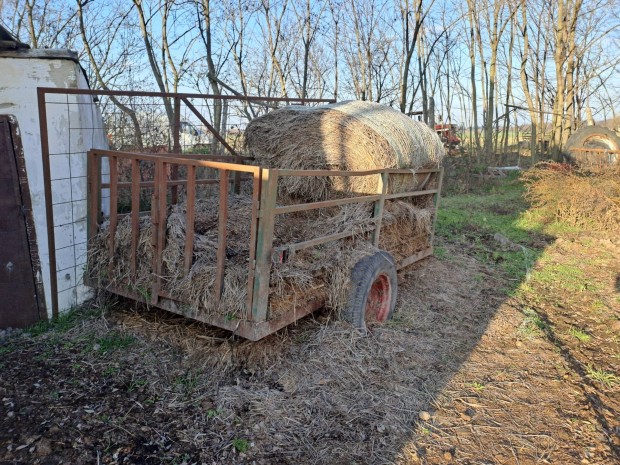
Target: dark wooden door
{"type": "Point", "coordinates": [18, 291]}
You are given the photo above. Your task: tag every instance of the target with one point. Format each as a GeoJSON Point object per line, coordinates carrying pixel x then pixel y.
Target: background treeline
{"type": "Point", "coordinates": [539, 68]}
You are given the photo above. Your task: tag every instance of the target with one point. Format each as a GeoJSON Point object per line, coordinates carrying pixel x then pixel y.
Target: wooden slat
{"type": "Point", "coordinates": [145, 184]}
{"type": "Point", "coordinates": [436, 200]}
{"type": "Point", "coordinates": [256, 185]}
{"type": "Point", "coordinates": [325, 204]}
{"type": "Point", "coordinates": [410, 194]}
{"type": "Point", "coordinates": [94, 193]}
{"type": "Point", "coordinates": [113, 207]}
{"type": "Point", "coordinates": [323, 239]}
{"type": "Point", "coordinates": [221, 235]}
{"type": "Point", "coordinates": [422, 185]}
{"type": "Point", "coordinates": [176, 136]}
{"type": "Point", "coordinates": [264, 244]}
{"type": "Point", "coordinates": [190, 217]}
{"type": "Point", "coordinates": [160, 228]}
{"type": "Point", "coordinates": [415, 257]}
{"type": "Point", "coordinates": [135, 215]}
{"type": "Point", "coordinates": [154, 229]}
{"type": "Point", "coordinates": [180, 160]}
{"type": "Point", "coordinates": [382, 186]}
{"type": "Point", "coordinates": [284, 172]}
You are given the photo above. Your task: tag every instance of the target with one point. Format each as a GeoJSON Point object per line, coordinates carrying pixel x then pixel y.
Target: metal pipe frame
{"type": "Point", "coordinates": [256, 323]}
{"type": "Point", "coordinates": [159, 206]}
{"type": "Point", "coordinates": [177, 97]}
{"type": "Point", "coordinates": [135, 93]}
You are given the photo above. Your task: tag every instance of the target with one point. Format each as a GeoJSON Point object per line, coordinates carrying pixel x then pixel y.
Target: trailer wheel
{"type": "Point", "coordinates": [374, 287]}
{"type": "Point", "coordinates": [592, 137]}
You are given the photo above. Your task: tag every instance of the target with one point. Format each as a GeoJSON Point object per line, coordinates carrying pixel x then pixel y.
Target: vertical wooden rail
{"type": "Point", "coordinates": [159, 218]}
{"type": "Point", "coordinates": [264, 244]}
{"type": "Point", "coordinates": [221, 235]}
{"type": "Point", "coordinates": [94, 195]}
{"type": "Point", "coordinates": [135, 214]}
{"type": "Point", "coordinates": [176, 137]}
{"type": "Point", "coordinates": [256, 180]}
{"type": "Point", "coordinates": [436, 198]}
{"type": "Point", "coordinates": [190, 217]}
{"type": "Point", "coordinates": [113, 209]}
{"type": "Point", "coordinates": [379, 204]}
{"type": "Point", "coordinates": [154, 226]}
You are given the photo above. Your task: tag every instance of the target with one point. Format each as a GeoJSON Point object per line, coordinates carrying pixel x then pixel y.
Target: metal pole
{"type": "Point", "coordinates": [49, 210]}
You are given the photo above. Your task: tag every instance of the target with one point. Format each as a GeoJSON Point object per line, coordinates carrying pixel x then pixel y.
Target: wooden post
{"type": "Point", "coordinates": [221, 235]}
{"type": "Point", "coordinates": [256, 185]}
{"type": "Point", "coordinates": [113, 208]}
{"type": "Point", "coordinates": [264, 244]}
{"type": "Point", "coordinates": [190, 217]}
{"type": "Point", "coordinates": [379, 204]}
{"type": "Point", "coordinates": [176, 136]}
{"type": "Point", "coordinates": [135, 214]}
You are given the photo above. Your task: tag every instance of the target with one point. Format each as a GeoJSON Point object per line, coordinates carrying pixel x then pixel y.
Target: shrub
{"type": "Point", "coordinates": [588, 198]}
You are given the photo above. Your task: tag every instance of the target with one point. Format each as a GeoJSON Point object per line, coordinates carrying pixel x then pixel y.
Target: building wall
{"type": "Point", "coordinates": [74, 126]}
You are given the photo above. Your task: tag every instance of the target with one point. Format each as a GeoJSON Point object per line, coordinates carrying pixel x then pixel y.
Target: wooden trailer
{"type": "Point", "coordinates": [176, 176]}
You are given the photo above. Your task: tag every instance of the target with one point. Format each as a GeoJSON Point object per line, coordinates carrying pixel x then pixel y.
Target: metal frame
{"type": "Point", "coordinates": [596, 156]}
{"type": "Point", "coordinates": [256, 323]}
{"type": "Point", "coordinates": [177, 99]}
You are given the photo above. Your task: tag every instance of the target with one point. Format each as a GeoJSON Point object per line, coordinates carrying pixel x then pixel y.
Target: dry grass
{"type": "Point", "coordinates": [322, 271]}
{"type": "Point", "coordinates": [586, 198]}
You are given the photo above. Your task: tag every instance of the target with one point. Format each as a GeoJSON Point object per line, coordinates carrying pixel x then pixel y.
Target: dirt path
{"type": "Point", "coordinates": [504, 380]}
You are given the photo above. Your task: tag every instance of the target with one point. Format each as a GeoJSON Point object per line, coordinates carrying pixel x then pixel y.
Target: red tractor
{"type": "Point", "coordinates": [447, 134]}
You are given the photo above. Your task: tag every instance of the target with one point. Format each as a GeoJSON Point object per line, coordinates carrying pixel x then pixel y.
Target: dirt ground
{"type": "Point", "coordinates": [477, 367]}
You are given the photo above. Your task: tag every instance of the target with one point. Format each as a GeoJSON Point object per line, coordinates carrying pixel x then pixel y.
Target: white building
{"type": "Point", "coordinates": [74, 126]}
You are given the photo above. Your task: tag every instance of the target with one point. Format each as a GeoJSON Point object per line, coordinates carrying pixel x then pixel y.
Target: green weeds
{"type": "Point", "coordinates": [580, 334]}
{"type": "Point", "coordinates": [602, 377]}
{"type": "Point", "coordinates": [533, 325]}
{"type": "Point", "coordinates": [475, 220]}
{"type": "Point", "coordinates": [113, 341]}
{"type": "Point", "coordinates": [478, 387]}
{"type": "Point", "coordinates": [241, 445]}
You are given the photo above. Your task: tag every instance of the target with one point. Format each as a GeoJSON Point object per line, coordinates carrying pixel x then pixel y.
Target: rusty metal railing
{"type": "Point", "coordinates": [161, 184]}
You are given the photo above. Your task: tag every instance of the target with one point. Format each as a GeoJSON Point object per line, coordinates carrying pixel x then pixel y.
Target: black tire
{"type": "Point", "coordinates": [592, 137]}
{"type": "Point", "coordinates": [373, 293]}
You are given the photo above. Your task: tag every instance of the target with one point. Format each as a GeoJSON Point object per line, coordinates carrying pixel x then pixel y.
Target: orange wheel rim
{"type": "Point", "coordinates": [378, 301]}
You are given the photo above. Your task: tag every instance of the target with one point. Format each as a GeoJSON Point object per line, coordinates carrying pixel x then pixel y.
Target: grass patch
{"type": "Point", "coordinates": [566, 276]}
{"type": "Point", "coordinates": [580, 334]}
{"type": "Point", "coordinates": [440, 252]}
{"type": "Point", "coordinates": [64, 322]}
{"type": "Point", "coordinates": [533, 325]}
{"type": "Point", "coordinates": [113, 341]}
{"type": "Point", "coordinates": [6, 349]}
{"type": "Point", "coordinates": [477, 219]}
{"type": "Point", "coordinates": [602, 377]}
{"type": "Point", "coordinates": [241, 445]}
{"type": "Point", "coordinates": [187, 383]}
{"type": "Point", "coordinates": [478, 387]}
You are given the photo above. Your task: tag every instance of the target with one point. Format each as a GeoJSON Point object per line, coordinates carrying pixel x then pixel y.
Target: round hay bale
{"type": "Point", "coordinates": [349, 136]}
